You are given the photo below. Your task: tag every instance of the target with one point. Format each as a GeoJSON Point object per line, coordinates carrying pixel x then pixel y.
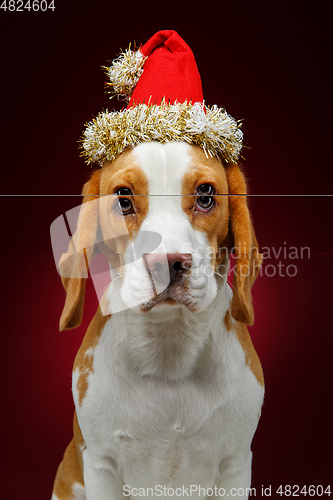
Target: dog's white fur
{"type": "Point", "coordinates": [171, 398]}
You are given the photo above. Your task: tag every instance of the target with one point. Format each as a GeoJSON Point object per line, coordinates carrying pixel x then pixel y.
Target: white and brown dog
{"type": "Point", "coordinates": [168, 390]}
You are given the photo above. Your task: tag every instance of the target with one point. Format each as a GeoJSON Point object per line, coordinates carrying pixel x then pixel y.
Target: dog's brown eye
{"type": "Point", "coordinates": [124, 205]}
{"type": "Point", "coordinates": [205, 202]}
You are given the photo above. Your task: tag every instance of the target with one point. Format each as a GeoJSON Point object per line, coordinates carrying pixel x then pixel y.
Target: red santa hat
{"type": "Point", "coordinates": [170, 71]}
{"type": "Point", "coordinates": [163, 85]}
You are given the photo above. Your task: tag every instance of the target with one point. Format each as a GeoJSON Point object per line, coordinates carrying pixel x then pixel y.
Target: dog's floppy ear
{"type": "Point", "coordinates": [73, 265]}
{"type": "Point", "coordinates": [248, 258]}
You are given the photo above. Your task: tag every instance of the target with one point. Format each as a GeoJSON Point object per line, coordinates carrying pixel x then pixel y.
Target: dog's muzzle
{"type": "Point", "coordinates": [168, 274]}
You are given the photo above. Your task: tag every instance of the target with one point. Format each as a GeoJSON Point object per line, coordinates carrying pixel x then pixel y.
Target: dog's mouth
{"type": "Point", "coordinates": [175, 293]}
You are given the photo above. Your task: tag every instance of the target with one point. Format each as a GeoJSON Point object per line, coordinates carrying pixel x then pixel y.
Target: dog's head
{"type": "Point", "coordinates": [157, 216]}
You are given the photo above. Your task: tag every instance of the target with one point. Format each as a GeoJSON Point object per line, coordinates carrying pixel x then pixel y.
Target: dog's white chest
{"type": "Point", "coordinates": [161, 433]}
{"type": "Point", "coordinates": [168, 439]}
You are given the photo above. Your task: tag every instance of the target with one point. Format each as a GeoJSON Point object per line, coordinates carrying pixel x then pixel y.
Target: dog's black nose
{"type": "Point", "coordinates": [178, 264]}
{"type": "Point", "coordinates": [168, 267]}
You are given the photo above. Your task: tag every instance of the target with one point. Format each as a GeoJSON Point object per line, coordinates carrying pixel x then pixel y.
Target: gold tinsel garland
{"type": "Point", "coordinates": [211, 128]}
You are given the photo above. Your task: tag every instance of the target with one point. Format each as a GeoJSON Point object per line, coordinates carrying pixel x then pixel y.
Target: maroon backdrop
{"type": "Point", "coordinates": [267, 63]}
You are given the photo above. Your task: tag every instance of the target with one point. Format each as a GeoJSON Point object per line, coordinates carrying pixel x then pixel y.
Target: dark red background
{"type": "Point", "coordinates": [266, 62]}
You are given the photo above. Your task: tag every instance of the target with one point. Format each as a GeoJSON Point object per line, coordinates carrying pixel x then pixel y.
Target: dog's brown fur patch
{"type": "Point", "coordinates": [70, 470]}
{"type": "Point", "coordinates": [85, 357]}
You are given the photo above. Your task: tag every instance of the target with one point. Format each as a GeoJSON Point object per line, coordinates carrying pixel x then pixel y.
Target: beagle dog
{"type": "Point", "coordinates": [167, 386]}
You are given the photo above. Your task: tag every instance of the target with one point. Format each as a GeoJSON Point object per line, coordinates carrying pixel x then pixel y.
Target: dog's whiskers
{"type": "Point", "coordinates": [224, 276]}
{"type": "Point", "coordinates": [106, 286]}
{"type": "Point", "coordinates": [117, 278]}
{"type": "Point", "coordinates": [232, 286]}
